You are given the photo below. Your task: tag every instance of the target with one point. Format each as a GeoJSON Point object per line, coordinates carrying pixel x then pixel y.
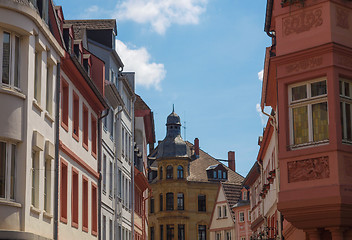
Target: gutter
{"type": "Point", "coordinates": [132, 171]}
{"type": "Point", "coordinates": [100, 150]}
{"type": "Point", "coordinates": [56, 167]}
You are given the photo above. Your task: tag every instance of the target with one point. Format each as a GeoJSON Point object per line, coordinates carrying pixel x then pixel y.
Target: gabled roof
{"type": "Point", "coordinates": [140, 104]}
{"type": "Point", "coordinates": [232, 192]}
{"type": "Point", "coordinates": [94, 24]}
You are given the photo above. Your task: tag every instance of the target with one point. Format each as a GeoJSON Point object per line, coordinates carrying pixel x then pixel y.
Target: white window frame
{"type": "Point", "coordinates": [224, 208]}
{"type": "Point", "coordinates": [110, 179]}
{"type": "Point", "coordinates": [219, 212]}
{"type": "Point", "coordinates": [345, 100]}
{"type": "Point", "coordinates": [10, 169]}
{"type": "Point", "coordinates": [104, 174]}
{"type": "Point", "coordinates": [47, 184]}
{"type": "Point", "coordinates": [241, 217]}
{"type": "Point", "coordinates": [12, 65]}
{"type": "Point", "coordinates": [308, 101]}
{"type": "Point", "coordinates": [35, 178]}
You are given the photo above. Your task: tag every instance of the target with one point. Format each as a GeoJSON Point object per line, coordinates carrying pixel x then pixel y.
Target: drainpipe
{"type": "Point", "coordinates": [262, 175]}
{"type": "Point", "coordinates": [132, 172]}
{"type": "Point", "coordinates": [100, 150]}
{"type": "Point", "coordinates": [56, 168]}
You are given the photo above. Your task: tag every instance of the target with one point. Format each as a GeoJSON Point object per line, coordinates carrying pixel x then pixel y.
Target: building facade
{"type": "Point", "coordinates": [29, 67]}
{"type": "Point", "coordinates": [184, 185]}
{"type": "Point", "coordinates": [242, 215]}
{"type": "Point", "coordinates": [307, 80]}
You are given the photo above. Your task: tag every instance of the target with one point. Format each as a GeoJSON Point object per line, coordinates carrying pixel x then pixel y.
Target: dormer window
{"type": "Point", "coordinates": [67, 39]}
{"type": "Point", "coordinates": [87, 63]}
{"type": "Point", "coordinates": [217, 172]}
{"type": "Point", "coordinates": [78, 52]}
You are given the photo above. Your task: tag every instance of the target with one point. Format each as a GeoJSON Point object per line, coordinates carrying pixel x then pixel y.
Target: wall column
{"type": "Point", "coordinates": [313, 234]}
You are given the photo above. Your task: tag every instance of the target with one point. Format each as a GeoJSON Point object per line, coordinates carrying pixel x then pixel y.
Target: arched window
{"type": "Point", "coordinates": [180, 201]}
{"type": "Point", "coordinates": [169, 201]}
{"type": "Point", "coordinates": [161, 173]}
{"type": "Point", "coordinates": [169, 172]}
{"type": "Point", "coordinates": [161, 201]}
{"type": "Point", "coordinates": [180, 172]}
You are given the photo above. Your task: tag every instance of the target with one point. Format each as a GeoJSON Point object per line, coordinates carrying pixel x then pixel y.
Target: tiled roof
{"type": "Point", "coordinates": [140, 104]}
{"type": "Point", "coordinates": [232, 192]}
{"type": "Point", "coordinates": [79, 26]}
{"type": "Point", "coordinates": [198, 168]}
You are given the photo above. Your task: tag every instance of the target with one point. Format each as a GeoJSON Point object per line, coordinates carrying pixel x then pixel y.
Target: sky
{"type": "Point", "coordinates": [204, 56]}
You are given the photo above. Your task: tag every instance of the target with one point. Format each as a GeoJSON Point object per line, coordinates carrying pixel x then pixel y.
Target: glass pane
{"type": "Point", "coordinates": [17, 59]}
{"type": "Point", "coordinates": [347, 89]}
{"type": "Point", "coordinates": [6, 58]}
{"type": "Point", "coordinates": [13, 159]}
{"type": "Point", "coordinates": [348, 121]}
{"type": "Point", "coordinates": [320, 121]}
{"type": "Point", "coordinates": [36, 76]}
{"type": "Point", "coordinates": [299, 92]}
{"type": "Point", "coordinates": [340, 87]}
{"type": "Point", "coordinates": [318, 88]}
{"type": "Point", "coordinates": [341, 117]}
{"type": "Point", "coordinates": [300, 125]}
{"type": "Point", "coordinates": [2, 169]}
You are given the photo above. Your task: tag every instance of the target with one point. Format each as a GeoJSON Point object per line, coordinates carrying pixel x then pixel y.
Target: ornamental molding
{"type": "Point", "coordinates": [304, 65]}
{"type": "Point", "coordinates": [308, 169]}
{"type": "Point", "coordinates": [342, 18]}
{"type": "Point", "coordinates": [302, 22]}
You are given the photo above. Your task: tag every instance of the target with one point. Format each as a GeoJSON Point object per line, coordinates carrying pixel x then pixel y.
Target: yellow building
{"type": "Point", "coordinates": [184, 182]}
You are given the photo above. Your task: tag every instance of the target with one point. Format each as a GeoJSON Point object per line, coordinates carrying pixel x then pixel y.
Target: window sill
{"type": "Point", "coordinates": [64, 126]}
{"type": "Point", "coordinates": [94, 155]}
{"type": "Point", "coordinates": [35, 210]}
{"type": "Point", "coordinates": [308, 144]}
{"type": "Point", "coordinates": [37, 105]}
{"type": "Point", "coordinates": [74, 224]}
{"type": "Point", "coordinates": [49, 117]}
{"type": "Point", "coordinates": [75, 136]}
{"type": "Point", "coordinates": [85, 146]}
{"type": "Point", "coordinates": [11, 91]}
{"type": "Point", "coordinates": [10, 203]}
{"type": "Point", "coordinates": [63, 220]}
{"type": "Point", "coordinates": [47, 215]}
{"type": "Point", "coordinates": [84, 229]}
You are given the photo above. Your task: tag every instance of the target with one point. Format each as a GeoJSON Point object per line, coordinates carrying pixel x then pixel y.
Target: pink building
{"type": "Point", "coordinates": [242, 216]}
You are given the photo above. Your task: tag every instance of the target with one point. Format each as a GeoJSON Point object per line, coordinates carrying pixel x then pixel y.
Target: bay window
{"type": "Point", "coordinates": [308, 113]}
{"type": "Point", "coordinates": [7, 170]}
{"type": "Point", "coordinates": [345, 110]}
{"type": "Point", "coordinates": [10, 59]}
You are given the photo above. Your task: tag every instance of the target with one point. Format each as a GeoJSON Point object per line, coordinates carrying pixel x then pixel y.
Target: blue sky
{"type": "Point", "coordinates": [204, 56]}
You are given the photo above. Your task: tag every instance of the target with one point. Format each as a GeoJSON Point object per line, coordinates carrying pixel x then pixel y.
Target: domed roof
{"type": "Point", "coordinates": [173, 145]}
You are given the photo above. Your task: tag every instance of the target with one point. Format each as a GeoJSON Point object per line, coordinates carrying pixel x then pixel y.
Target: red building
{"type": "Point", "coordinates": [307, 82]}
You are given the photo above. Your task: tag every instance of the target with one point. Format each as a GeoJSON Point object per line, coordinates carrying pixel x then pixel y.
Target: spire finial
{"type": "Point", "coordinates": [173, 107]}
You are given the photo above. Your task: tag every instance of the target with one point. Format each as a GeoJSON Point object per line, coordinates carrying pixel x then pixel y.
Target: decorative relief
{"type": "Point", "coordinates": [342, 16]}
{"type": "Point", "coordinates": [305, 64]}
{"type": "Point", "coordinates": [348, 165]}
{"type": "Point", "coordinates": [345, 61]}
{"type": "Point", "coordinates": [308, 169]}
{"type": "Point", "coordinates": [302, 22]}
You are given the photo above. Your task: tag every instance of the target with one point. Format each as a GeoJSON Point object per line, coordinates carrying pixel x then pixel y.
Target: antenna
{"type": "Point", "coordinates": [184, 130]}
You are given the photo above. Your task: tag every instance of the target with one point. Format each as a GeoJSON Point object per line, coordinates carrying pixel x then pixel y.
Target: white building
{"type": "Point", "coordinates": [29, 62]}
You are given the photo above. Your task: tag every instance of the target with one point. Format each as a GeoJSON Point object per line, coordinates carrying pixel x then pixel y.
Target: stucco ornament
{"type": "Point", "coordinates": [302, 22]}
{"type": "Point", "coordinates": [308, 169]}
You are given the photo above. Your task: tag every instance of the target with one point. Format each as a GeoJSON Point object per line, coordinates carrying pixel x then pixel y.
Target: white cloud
{"type": "Point", "coordinates": [138, 60]}
{"type": "Point", "coordinates": [260, 75]}
{"type": "Point", "coordinates": [261, 115]}
{"type": "Point", "coordinates": [161, 14]}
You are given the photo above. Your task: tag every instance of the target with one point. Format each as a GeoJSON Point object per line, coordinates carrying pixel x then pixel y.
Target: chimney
{"type": "Point", "coordinates": [231, 158]}
{"type": "Point", "coordinates": [196, 147]}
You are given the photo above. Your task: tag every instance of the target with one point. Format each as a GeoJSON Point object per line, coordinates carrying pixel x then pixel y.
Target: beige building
{"type": "Point", "coordinates": [184, 182]}
{"type": "Point", "coordinates": [29, 62]}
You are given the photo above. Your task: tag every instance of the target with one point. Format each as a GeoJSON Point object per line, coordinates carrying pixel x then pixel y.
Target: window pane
{"type": "Point", "coordinates": [340, 87]}
{"type": "Point", "coordinates": [318, 88]}
{"type": "Point", "coordinates": [13, 158]}
{"type": "Point", "coordinates": [2, 168]}
{"type": "Point", "coordinates": [299, 92]}
{"type": "Point", "coordinates": [6, 58]}
{"type": "Point", "coordinates": [320, 121]}
{"type": "Point", "coordinates": [300, 125]}
{"type": "Point", "coordinates": [348, 121]}
{"type": "Point", "coordinates": [347, 89]}
{"type": "Point", "coordinates": [17, 59]}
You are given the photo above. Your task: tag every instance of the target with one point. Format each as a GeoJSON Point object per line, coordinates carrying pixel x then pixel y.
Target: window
{"type": "Point", "coordinates": [111, 117]}
{"type": "Point", "coordinates": [7, 170]}
{"type": "Point", "coordinates": [170, 232]}
{"type": "Point", "coordinates": [202, 203]}
{"type": "Point", "coordinates": [64, 105]}
{"type": "Point", "coordinates": [94, 136]}
{"type": "Point", "coordinates": [249, 215]}
{"type": "Point", "coordinates": [119, 185]}
{"type": "Point", "coordinates": [225, 210]}
{"type": "Point", "coordinates": [169, 201]}
{"type": "Point", "coordinates": [161, 232]}
{"type": "Point", "coordinates": [63, 192]}
{"type": "Point", "coordinates": [345, 110]}
{"type": "Point", "coordinates": [180, 201]}
{"type": "Point", "coordinates": [47, 185]}
{"type": "Point", "coordinates": [104, 227]}
{"type": "Point", "coordinates": [94, 210]}
{"type": "Point", "coordinates": [151, 205]}
{"type": "Point", "coordinates": [228, 235]}
{"type": "Point", "coordinates": [169, 172]}
{"type": "Point", "coordinates": [219, 211]}
{"type": "Point", "coordinates": [104, 174]}
{"type": "Point", "coordinates": [35, 179]}
{"type": "Point", "coordinates": [49, 88]}
{"type": "Point", "coordinates": [161, 173]}
{"type": "Point", "coordinates": [10, 59]}
{"type": "Point", "coordinates": [215, 175]}
{"type": "Point", "coordinates": [85, 127]}
{"type": "Point", "coordinates": [219, 174]}
{"type": "Point", "coordinates": [75, 191]}
{"type": "Point", "coordinates": [241, 216]}
{"type": "Point", "coordinates": [180, 172]}
{"type": "Point", "coordinates": [181, 232]}
{"type": "Point", "coordinates": [161, 202]}
{"type": "Point", "coordinates": [77, 51]}
{"type": "Point", "coordinates": [243, 238]}
{"type": "Point", "coordinates": [202, 234]}
{"type": "Point", "coordinates": [110, 230]}
{"type": "Point", "coordinates": [308, 113]}
{"type": "Point", "coordinates": [224, 175]}
{"type": "Point", "coordinates": [152, 237]}
{"type": "Point", "coordinates": [85, 204]}
{"type": "Point", "coordinates": [75, 120]}
{"type": "Point", "coordinates": [37, 75]}
{"type": "Point", "coordinates": [123, 141]}
{"type": "Point", "coordinates": [111, 180]}
{"type": "Point", "coordinates": [244, 196]}
{"type": "Point", "coordinates": [218, 236]}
